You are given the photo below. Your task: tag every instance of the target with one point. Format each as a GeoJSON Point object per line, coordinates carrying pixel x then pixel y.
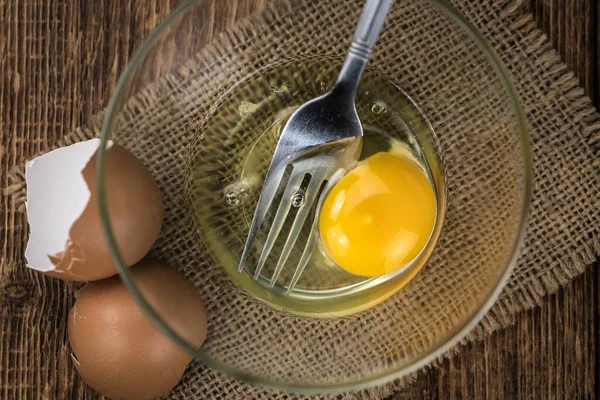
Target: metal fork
{"type": "Point", "coordinates": [322, 139]}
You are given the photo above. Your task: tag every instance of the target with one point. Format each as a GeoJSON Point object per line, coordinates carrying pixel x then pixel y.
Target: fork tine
{"type": "Point", "coordinates": [282, 211]}
{"type": "Point", "coordinates": [272, 182]}
{"type": "Point", "coordinates": [310, 244]}
{"type": "Point", "coordinates": [312, 193]}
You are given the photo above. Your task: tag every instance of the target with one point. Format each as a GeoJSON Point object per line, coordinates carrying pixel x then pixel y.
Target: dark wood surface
{"type": "Point", "coordinates": [59, 62]}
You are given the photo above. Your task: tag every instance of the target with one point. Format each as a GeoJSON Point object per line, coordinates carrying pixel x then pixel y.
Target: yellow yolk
{"type": "Point", "coordinates": [379, 216]}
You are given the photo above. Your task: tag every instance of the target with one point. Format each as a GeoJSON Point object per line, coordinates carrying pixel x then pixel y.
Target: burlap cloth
{"type": "Point", "coordinates": [563, 233]}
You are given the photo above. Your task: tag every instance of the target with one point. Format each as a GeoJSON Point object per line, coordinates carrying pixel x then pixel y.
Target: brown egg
{"type": "Point", "coordinates": [134, 204]}
{"type": "Point", "coordinates": [117, 349]}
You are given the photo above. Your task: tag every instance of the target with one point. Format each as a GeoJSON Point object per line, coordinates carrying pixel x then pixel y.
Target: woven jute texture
{"type": "Point", "coordinates": [473, 127]}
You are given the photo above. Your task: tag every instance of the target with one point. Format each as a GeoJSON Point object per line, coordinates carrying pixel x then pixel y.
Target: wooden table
{"type": "Point", "coordinates": [59, 62]}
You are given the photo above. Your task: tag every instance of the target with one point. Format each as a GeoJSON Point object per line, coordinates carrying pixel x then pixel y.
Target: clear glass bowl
{"type": "Point", "coordinates": [429, 51]}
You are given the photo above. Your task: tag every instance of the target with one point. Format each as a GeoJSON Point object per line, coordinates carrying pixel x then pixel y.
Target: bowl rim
{"type": "Point", "coordinates": [443, 345]}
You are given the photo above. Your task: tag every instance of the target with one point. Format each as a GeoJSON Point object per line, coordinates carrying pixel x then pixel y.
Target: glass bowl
{"type": "Point", "coordinates": [178, 80]}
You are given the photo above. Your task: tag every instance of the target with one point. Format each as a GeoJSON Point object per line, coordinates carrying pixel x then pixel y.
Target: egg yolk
{"type": "Point", "coordinates": [379, 216]}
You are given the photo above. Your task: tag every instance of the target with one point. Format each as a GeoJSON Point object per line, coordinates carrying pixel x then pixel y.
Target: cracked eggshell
{"type": "Point", "coordinates": [117, 349]}
{"type": "Point", "coordinates": [67, 240]}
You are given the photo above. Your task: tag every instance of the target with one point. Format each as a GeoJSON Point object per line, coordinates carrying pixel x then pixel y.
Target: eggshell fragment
{"type": "Point", "coordinates": [57, 195]}
{"type": "Point", "coordinates": [117, 349]}
{"type": "Point", "coordinates": [67, 239]}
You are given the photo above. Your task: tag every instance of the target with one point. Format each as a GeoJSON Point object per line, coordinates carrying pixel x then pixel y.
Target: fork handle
{"type": "Point", "coordinates": [366, 34]}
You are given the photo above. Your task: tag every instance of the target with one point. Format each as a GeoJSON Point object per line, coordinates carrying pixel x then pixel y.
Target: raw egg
{"type": "Point", "coordinates": [379, 216]}
{"type": "Point", "coordinates": [67, 240]}
{"type": "Point", "coordinates": [117, 349]}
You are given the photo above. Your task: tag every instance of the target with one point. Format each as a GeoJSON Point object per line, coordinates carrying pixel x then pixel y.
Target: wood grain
{"type": "Point", "coordinates": [59, 62]}
{"type": "Point", "coordinates": [571, 25]}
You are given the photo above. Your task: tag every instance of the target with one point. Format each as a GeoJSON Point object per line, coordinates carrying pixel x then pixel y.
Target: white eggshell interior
{"type": "Point", "coordinates": [57, 195]}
